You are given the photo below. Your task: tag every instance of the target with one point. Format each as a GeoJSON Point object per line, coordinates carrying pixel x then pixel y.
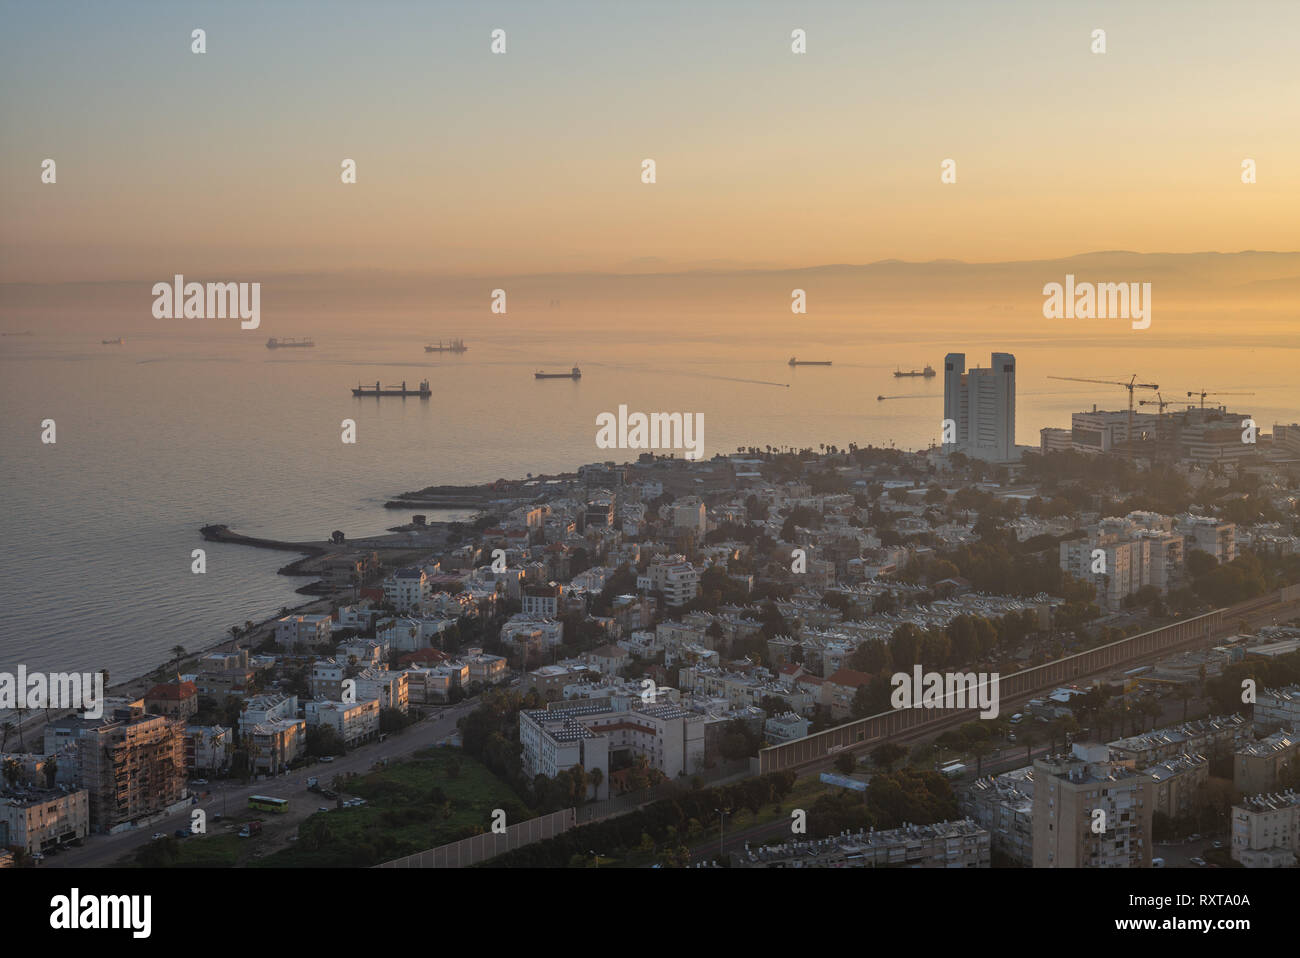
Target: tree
{"type": "Point", "coordinates": [178, 651]}
{"type": "Point", "coordinates": [886, 755]}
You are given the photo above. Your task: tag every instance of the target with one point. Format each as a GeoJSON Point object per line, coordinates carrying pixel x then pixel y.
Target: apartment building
{"type": "Point", "coordinates": [325, 681]}
{"type": "Point", "coordinates": [1177, 784]}
{"type": "Point", "coordinates": [1210, 535]}
{"type": "Point", "coordinates": [1257, 766]}
{"type": "Point", "coordinates": [676, 578]}
{"type": "Point", "coordinates": [1277, 709]}
{"type": "Point", "coordinates": [484, 668]}
{"type": "Point", "coordinates": [1069, 791]}
{"type": "Point", "coordinates": [208, 749]}
{"type": "Point", "coordinates": [406, 589]}
{"type": "Point", "coordinates": [1266, 830]}
{"type": "Point", "coordinates": [982, 405]}
{"type": "Point", "coordinates": [355, 722]}
{"type": "Point", "coordinates": [390, 688]}
{"type": "Point", "coordinates": [132, 765]}
{"type": "Point", "coordinates": [1003, 805]}
{"type": "Point", "coordinates": [542, 601]}
{"type": "Point", "coordinates": [671, 738]}
{"type": "Point", "coordinates": [1212, 737]}
{"type": "Point", "coordinates": [955, 844]}
{"type": "Point", "coordinates": [38, 819]}
{"type": "Point", "coordinates": [296, 632]}
{"type": "Point", "coordinates": [273, 743]}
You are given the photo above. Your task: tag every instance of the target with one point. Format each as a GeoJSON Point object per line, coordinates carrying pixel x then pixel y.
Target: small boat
{"type": "Point", "coordinates": [808, 362]}
{"type": "Point", "coordinates": [574, 373]}
{"type": "Point", "coordinates": [120, 341]}
{"type": "Point", "coordinates": [424, 392]}
{"type": "Point", "coordinates": [878, 398]}
{"type": "Point", "coordinates": [274, 343]}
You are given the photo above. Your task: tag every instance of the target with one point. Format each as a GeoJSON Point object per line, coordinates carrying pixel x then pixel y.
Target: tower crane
{"type": "Point", "coordinates": [1131, 385]}
{"type": "Point", "coordinates": [1203, 393]}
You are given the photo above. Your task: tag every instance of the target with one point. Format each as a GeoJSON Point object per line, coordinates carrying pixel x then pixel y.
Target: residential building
{"type": "Point", "coordinates": [982, 405]}
{"type": "Point", "coordinates": [1266, 830]}
{"type": "Point", "coordinates": [1090, 812]}
{"type": "Point", "coordinates": [38, 819]}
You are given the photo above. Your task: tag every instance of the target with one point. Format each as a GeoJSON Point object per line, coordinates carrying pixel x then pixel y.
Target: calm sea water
{"type": "Point", "coordinates": [190, 425]}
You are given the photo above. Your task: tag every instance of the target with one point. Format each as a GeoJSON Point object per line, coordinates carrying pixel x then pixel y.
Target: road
{"type": "Point", "coordinates": [230, 798]}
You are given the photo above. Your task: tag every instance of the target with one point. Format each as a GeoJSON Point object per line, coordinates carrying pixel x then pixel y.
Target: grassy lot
{"type": "Point", "coordinates": [440, 796]}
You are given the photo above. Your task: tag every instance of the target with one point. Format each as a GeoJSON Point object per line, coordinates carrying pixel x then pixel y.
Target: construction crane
{"type": "Point", "coordinates": [1203, 394]}
{"type": "Point", "coordinates": [1162, 402]}
{"type": "Point", "coordinates": [1131, 385]}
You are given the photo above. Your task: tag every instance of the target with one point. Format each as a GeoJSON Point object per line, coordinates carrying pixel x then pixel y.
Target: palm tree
{"type": "Point", "coordinates": [1184, 693]}
{"type": "Point", "coordinates": [597, 777]}
{"type": "Point", "coordinates": [4, 734]}
{"type": "Point", "coordinates": [178, 651]}
{"type": "Point", "coordinates": [979, 750]}
{"type": "Point", "coordinates": [1030, 738]}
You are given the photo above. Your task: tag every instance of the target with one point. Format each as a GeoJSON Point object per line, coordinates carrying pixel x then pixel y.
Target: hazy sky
{"type": "Point", "coordinates": [471, 162]}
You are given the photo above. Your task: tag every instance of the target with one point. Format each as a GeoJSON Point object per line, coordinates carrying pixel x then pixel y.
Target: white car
{"type": "Point", "coordinates": [156, 836]}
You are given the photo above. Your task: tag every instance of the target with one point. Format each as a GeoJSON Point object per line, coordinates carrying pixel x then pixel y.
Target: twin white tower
{"type": "Point", "coordinates": [982, 402]}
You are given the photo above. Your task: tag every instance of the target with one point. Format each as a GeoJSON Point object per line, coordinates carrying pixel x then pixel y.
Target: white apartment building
{"type": "Point", "coordinates": [1266, 830]}
{"type": "Point", "coordinates": [542, 601]}
{"type": "Point", "coordinates": [671, 738]}
{"type": "Point", "coordinates": [326, 680]}
{"type": "Point", "coordinates": [406, 589]}
{"type": "Point", "coordinates": [676, 578]}
{"type": "Point", "coordinates": [982, 404]}
{"type": "Point", "coordinates": [37, 819]}
{"type": "Point", "coordinates": [208, 748]}
{"type": "Point", "coordinates": [355, 722]}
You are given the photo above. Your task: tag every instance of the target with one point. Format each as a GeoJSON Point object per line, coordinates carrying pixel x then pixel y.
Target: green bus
{"type": "Point", "coordinates": [264, 803]}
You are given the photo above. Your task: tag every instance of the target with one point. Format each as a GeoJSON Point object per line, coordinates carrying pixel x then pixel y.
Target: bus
{"type": "Point", "coordinates": [264, 803]}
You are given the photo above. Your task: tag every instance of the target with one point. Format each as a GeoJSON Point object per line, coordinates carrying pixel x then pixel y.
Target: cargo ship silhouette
{"type": "Point", "coordinates": [424, 392]}
{"type": "Point", "coordinates": [274, 343]}
{"type": "Point", "coordinates": [574, 373]}
{"type": "Point", "coordinates": [927, 372]}
{"type": "Point", "coordinates": [809, 362]}
{"type": "Point", "coordinates": [455, 346]}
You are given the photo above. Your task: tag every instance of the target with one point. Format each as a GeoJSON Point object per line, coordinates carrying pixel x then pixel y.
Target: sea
{"type": "Point", "coordinates": [184, 425]}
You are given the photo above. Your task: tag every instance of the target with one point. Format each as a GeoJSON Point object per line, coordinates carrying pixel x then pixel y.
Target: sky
{"type": "Point", "coordinates": [472, 163]}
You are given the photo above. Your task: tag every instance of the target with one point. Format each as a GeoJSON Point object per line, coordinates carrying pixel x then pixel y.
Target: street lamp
{"type": "Point", "coordinates": [722, 830]}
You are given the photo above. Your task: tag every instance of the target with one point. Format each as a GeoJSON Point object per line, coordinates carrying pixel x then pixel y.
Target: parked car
{"type": "Point", "coordinates": [1157, 863]}
{"type": "Point", "coordinates": [1198, 862]}
{"type": "Point", "coordinates": [327, 758]}
{"type": "Point", "coordinates": [182, 833]}
{"type": "Point", "coordinates": [199, 781]}
{"type": "Point", "coordinates": [156, 836]}
{"type": "Point", "coordinates": [323, 808]}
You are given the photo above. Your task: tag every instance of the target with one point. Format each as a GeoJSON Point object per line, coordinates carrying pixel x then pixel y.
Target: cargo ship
{"type": "Point", "coordinates": [574, 373]}
{"type": "Point", "coordinates": [120, 341]}
{"type": "Point", "coordinates": [927, 372]}
{"type": "Point", "coordinates": [809, 362]}
{"type": "Point", "coordinates": [455, 346]}
{"type": "Point", "coordinates": [424, 392]}
{"type": "Point", "coordinates": [274, 343]}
